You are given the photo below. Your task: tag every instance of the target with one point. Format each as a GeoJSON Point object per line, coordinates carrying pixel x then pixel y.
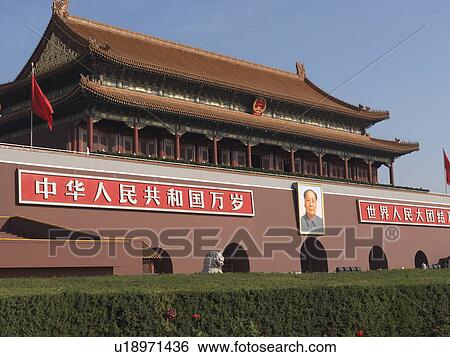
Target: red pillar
{"type": "Point", "coordinates": [347, 176]}
{"type": "Point", "coordinates": [391, 173]}
{"type": "Point", "coordinates": [198, 154]}
{"type": "Point", "coordinates": [90, 133]}
{"type": "Point", "coordinates": [135, 139]}
{"type": "Point", "coordinates": [177, 147]}
{"type": "Point", "coordinates": [215, 150]}
{"type": "Point", "coordinates": [320, 165]}
{"type": "Point", "coordinates": [370, 171]}
{"type": "Point", "coordinates": [292, 161]}
{"type": "Point", "coordinates": [249, 154]}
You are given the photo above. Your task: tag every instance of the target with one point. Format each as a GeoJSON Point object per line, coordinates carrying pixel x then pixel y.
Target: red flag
{"type": "Point", "coordinates": [40, 105]}
{"type": "Point", "coordinates": [447, 167]}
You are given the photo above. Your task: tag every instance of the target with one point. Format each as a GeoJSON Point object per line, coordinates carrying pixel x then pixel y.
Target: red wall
{"type": "Point", "coordinates": [274, 208]}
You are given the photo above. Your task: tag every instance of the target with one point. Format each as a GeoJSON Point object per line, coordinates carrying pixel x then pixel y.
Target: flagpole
{"type": "Point", "coordinates": [445, 171]}
{"type": "Point", "coordinates": [31, 107]}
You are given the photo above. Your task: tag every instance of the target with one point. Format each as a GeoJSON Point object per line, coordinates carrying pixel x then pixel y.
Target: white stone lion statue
{"type": "Point", "coordinates": [213, 262]}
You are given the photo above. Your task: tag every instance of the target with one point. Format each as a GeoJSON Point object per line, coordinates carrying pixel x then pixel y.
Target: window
{"type": "Point", "coordinates": [188, 152]}
{"type": "Point", "coordinates": [337, 171]}
{"type": "Point", "coordinates": [311, 167]}
{"type": "Point", "coordinates": [353, 172]}
{"type": "Point", "coordinates": [298, 165]}
{"type": "Point", "coordinates": [95, 146]}
{"type": "Point", "coordinates": [148, 147]}
{"type": "Point", "coordinates": [143, 148]}
{"type": "Point", "coordinates": [127, 144]}
{"type": "Point", "coordinates": [204, 153]}
{"type": "Point", "coordinates": [224, 156]}
{"type": "Point", "coordinates": [111, 143]}
{"type": "Point", "coordinates": [325, 168]}
{"type": "Point", "coordinates": [374, 175]}
{"type": "Point", "coordinates": [362, 173]}
{"type": "Point", "coordinates": [280, 164]}
{"type": "Point", "coordinates": [169, 148]}
{"type": "Point", "coordinates": [103, 143]}
{"type": "Point", "coordinates": [239, 158]}
{"type": "Point", "coordinates": [267, 161]}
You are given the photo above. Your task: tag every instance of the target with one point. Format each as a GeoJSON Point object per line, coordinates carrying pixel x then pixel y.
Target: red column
{"type": "Point", "coordinates": [320, 165]}
{"type": "Point", "coordinates": [135, 139]}
{"type": "Point", "coordinates": [292, 161]}
{"type": "Point", "coordinates": [215, 150]}
{"type": "Point", "coordinates": [391, 173]}
{"type": "Point", "coordinates": [249, 154]}
{"type": "Point", "coordinates": [370, 171]}
{"type": "Point", "coordinates": [177, 146]}
{"type": "Point", "coordinates": [90, 133]}
{"type": "Point", "coordinates": [198, 156]}
{"type": "Point", "coordinates": [347, 176]}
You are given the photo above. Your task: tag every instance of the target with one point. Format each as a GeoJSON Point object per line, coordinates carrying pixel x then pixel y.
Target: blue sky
{"type": "Point", "coordinates": [334, 39]}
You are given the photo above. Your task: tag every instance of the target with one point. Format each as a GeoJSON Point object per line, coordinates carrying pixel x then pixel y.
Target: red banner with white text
{"type": "Point", "coordinates": [407, 214]}
{"type": "Point", "coordinates": [43, 188]}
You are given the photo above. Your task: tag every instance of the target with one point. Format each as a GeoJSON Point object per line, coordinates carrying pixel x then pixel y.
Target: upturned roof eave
{"type": "Point", "coordinates": [56, 103]}
{"type": "Point", "coordinates": [402, 148]}
{"type": "Point", "coordinates": [357, 111]}
{"type": "Point", "coordinates": [26, 82]}
{"type": "Point", "coordinates": [370, 118]}
{"type": "Point", "coordinates": [59, 26]}
{"type": "Point", "coordinates": [64, 29]}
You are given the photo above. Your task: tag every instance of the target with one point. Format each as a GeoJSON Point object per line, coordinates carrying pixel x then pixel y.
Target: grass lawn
{"type": "Point", "coordinates": [219, 282]}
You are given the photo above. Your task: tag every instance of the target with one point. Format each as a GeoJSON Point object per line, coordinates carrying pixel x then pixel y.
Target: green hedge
{"type": "Point", "coordinates": [379, 303]}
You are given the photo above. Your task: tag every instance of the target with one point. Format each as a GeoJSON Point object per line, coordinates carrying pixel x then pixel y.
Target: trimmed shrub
{"type": "Point", "coordinates": [379, 303]}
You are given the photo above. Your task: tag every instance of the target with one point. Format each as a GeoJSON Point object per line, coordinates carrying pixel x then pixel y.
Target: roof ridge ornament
{"type": "Point", "coordinates": [301, 71]}
{"type": "Point", "coordinates": [93, 43]}
{"type": "Point", "coordinates": [364, 108]}
{"type": "Point", "coordinates": [61, 8]}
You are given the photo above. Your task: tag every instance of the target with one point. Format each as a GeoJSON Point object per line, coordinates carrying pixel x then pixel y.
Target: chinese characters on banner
{"type": "Point", "coordinates": [100, 192]}
{"type": "Point", "coordinates": [379, 212]}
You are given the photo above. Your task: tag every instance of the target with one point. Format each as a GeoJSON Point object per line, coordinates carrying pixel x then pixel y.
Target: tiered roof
{"type": "Point", "coordinates": [153, 102]}
{"type": "Point", "coordinates": [146, 53]}
{"type": "Point", "coordinates": [150, 53]}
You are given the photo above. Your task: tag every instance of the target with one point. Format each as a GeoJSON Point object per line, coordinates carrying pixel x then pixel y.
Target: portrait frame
{"type": "Point", "coordinates": [301, 210]}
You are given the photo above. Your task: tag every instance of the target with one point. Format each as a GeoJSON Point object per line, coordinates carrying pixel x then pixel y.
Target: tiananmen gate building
{"type": "Point", "coordinates": [161, 152]}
